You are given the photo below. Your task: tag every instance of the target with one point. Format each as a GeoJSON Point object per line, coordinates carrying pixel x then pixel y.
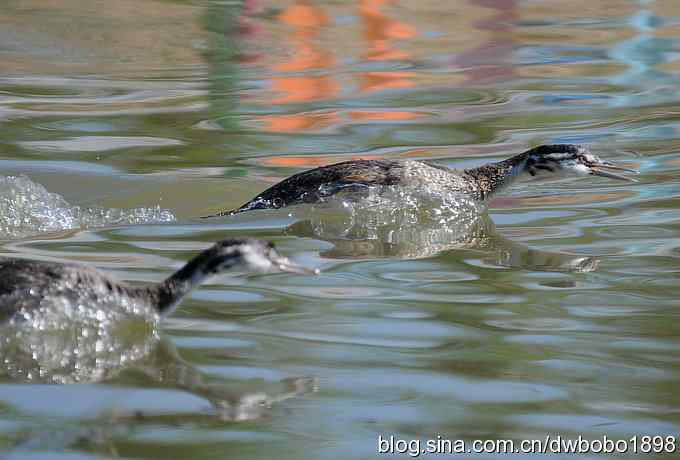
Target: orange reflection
{"type": "Point", "coordinates": [299, 122]}
{"type": "Point", "coordinates": [303, 89]}
{"type": "Point", "coordinates": [379, 81]}
{"type": "Point", "coordinates": [312, 161]}
{"type": "Point", "coordinates": [322, 160]}
{"type": "Point", "coordinates": [384, 116]}
{"type": "Point", "coordinates": [306, 20]}
{"type": "Point", "coordinates": [379, 32]}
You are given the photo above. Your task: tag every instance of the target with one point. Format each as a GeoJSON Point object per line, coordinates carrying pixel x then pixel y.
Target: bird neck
{"type": "Point", "coordinates": [494, 177]}
{"type": "Point", "coordinates": [172, 290]}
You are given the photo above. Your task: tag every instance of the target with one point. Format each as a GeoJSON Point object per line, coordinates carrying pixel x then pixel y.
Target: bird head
{"type": "Point", "coordinates": [251, 254]}
{"type": "Point", "coordinates": [572, 160]}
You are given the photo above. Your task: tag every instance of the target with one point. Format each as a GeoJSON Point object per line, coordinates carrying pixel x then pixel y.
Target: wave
{"type": "Point", "coordinates": [28, 208]}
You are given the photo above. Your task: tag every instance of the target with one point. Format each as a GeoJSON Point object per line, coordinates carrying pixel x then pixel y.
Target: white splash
{"type": "Point", "coordinates": [415, 221]}
{"type": "Point", "coordinates": [28, 208]}
{"type": "Point", "coordinates": [76, 339]}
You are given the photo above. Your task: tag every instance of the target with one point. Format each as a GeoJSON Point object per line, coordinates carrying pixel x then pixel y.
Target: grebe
{"type": "Point", "coordinates": [479, 183]}
{"type": "Point", "coordinates": [26, 286]}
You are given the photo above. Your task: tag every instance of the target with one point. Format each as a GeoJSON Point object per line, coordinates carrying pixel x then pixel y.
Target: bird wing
{"type": "Point", "coordinates": [315, 184]}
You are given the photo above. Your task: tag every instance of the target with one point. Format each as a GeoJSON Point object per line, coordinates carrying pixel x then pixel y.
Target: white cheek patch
{"type": "Point", "coordinates": [256, 260]}
{"type": "Point", "coordinates": [574, 168]}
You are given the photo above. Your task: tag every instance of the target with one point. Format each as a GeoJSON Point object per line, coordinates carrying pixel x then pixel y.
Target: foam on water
{"type": "Point", "coordinates": [28, 208]}
{"type": "Point", "coordinates": [73, 338]}
{"type": "Point", "coordinates": [415, 221]}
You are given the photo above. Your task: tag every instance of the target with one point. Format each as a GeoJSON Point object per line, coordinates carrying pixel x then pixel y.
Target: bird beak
{"type": "Point", "coordinates": [606, 169]}
{"type": "Point", "coordinates": [285, 265]}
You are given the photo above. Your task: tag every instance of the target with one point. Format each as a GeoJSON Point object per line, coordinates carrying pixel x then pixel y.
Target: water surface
{"type": "Point", "coordinates": [559, 316]}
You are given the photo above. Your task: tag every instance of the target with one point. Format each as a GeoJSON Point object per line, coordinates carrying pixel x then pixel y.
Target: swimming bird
{"type": "Point", "coordinates": [27, 285]}
{"type": "Point", "coordinates": [479, 183]}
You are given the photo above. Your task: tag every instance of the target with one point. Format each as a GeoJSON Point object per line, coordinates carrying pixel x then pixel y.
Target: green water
{"type": "Point", "coordinates": [561, 320]}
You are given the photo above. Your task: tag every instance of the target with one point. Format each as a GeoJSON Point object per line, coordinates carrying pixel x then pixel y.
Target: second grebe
{"type": "Point", "coordinates": [479, 183]}
{"type": "Point", "coordinates": [26, 286]}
